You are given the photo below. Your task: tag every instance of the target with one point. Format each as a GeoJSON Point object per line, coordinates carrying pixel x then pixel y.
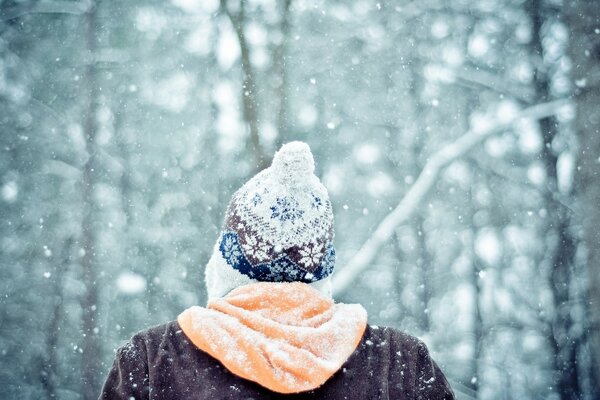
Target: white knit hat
{"type": "Point", "coordinates": [278, 228]}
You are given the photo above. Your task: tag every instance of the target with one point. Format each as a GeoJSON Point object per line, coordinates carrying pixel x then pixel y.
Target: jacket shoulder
{"type": "Point", "coordinates": [411, 369]}
{"type": "Point", "coordinates": [163, 336]}
{"type": "Point", "coordinates": [157, 331]}
{"type": "Point", "coordinates": [393, 336]}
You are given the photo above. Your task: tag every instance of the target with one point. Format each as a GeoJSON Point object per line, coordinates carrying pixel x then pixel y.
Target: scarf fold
{"type": "Point", "coordinates": [286, 337]}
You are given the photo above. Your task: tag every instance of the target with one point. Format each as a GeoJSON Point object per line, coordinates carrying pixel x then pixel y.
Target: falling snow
{"type": "Point", "coordinates": [458, 145]}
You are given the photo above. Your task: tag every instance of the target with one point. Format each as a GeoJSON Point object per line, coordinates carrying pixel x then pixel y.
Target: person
{"type": "Point", "coordinates": [270, 329]}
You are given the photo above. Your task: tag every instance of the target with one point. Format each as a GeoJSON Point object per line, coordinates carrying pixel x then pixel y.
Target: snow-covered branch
{"type": "Point", "coordinates": [428, 176]}
{"type": "Point", "coordinates": [489, 80]}
{"type": "Point", "coordinates": [43, 7]}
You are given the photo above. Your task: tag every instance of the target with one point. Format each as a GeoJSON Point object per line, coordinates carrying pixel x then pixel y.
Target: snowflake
{"type": "Point", "coordinates": [278, 271]}
{"type": "Point", "coordinates": [286, 209]}
{"type": "Point", "coordinates": [317, 202]}
{"type": "Point", "coordinates": [329, 261]}
{"type": "Point", "coordinates": [256, 249]}
{"type": "Point", "coordinates": [256, 200]}
{"type": "Point", "coordinates": [310, 256]}
{"type": "Point", "coordinates": [283, 270]}
{"type": "Point", "coordinates": [231, 251]}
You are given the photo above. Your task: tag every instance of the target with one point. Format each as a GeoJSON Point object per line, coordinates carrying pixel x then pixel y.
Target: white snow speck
{"type": "Point", "coordinates": [536, 173]}
{"type": "Point", "coordinates": [488, 246]}
{"type": "Point", "coordinates": [47, 251]}
{"type": "Point", "coordinates": [131, 283]}
{"type": "Point", "coordinates": [507, 110]}
{"type": "Point", "coordinates": [478, 45]}
{"type": "Point", "coordinates": [196, 6]}
{"type": "Point", "coordinates": [565, 167]}
{"type": "Point", "coordinates": [10, 190]}
{"type": "Point", "coordinates": [367, 153]}
{"type": "Point", "coordinates": [440, 29]}
{"type": "Point", "coordinates": [307, 115]}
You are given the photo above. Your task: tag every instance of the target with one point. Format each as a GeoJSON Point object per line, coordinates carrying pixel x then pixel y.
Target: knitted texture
{"type": "Point", "coordinates": [279, 225]}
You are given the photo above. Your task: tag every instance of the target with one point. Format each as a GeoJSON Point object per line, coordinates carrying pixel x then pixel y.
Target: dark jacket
{"type": "Point", "coordinates": [161, 363]}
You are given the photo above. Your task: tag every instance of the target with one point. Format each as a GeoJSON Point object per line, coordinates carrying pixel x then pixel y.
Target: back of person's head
{"type": "Point", "coordinates": [278, 228]}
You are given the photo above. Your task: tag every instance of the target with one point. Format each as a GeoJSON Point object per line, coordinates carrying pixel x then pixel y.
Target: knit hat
{"type": "Point", "coordinates": [278, 228]}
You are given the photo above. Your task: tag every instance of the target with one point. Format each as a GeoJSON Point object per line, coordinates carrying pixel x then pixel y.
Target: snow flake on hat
{"type": "Point", "coordinates": [231, 250]}
{"type": "Point", "coordinates": [311, 255]}
{"type": "Point", "coordinates": [256, 248]}
{"type": "Point", "coordinates": [282, 269]}
{"type": "Point", "coordinates": [257, 199]}
{"type": "Point", "coordinates": [286, 209]}
{"type": "Point", "coordinates": [317, 202]}
{"type": "Point", "coordinates": [285, 271]}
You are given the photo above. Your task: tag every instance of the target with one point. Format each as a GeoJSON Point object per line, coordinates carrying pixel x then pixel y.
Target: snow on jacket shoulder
{"type": "Point", "coordinates": [162, 363]}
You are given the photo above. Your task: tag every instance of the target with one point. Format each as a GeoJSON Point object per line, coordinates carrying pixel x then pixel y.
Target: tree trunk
{"type": "Point", "coordinates": [425, 267]}
{"type": "Point", "coordinates": [476, 283]}
{"type": "Point", "coordinates": [562, 251]}
{"type": "Point", "coordinates": [123, 141]}
{"type": "Point", "coordinates": [249, 92]}
{"type": "Point", "coordinates": [424, 259]}
{"type": "Point", "coordinates": [473, 384]}
{"type": "Point", "coordinates": [280, 54]}
{"type": "Point", "coordinates": [50, 372]}
{"type": "Point", "coordinates": [583, 18]}
{"type": "Point", "coordinates": [89, 300]}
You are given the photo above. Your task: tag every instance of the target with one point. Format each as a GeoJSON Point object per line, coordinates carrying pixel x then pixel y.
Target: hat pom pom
{"type": "Point", "coordinates": [293, 162]}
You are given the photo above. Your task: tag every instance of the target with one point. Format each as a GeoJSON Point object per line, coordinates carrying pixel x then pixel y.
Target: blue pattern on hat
{"type": "Point", "coordinates": [281, 269]}
{"type": "Point", "coordinates": [286, 209]}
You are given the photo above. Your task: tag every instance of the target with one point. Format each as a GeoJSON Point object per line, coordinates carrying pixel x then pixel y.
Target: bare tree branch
{"type": "Point", "coordinates": [44, 7]}
{"type": "Point", "coordinates": [249, 86]}
{"type": "Point", "coordinates": [428, 176]}
{"type": "Point", "coordinates": [481, 78]}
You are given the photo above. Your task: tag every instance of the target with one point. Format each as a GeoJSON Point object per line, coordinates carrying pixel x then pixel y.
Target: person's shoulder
{"type": "Point", "coordinates": [156, 332]}
{"type": "Point", "coordinates": [409, 359]}
{"type": "Point", "coordinates": [395, 336]}
{"type": "Point", "coordinates": [146, 341]}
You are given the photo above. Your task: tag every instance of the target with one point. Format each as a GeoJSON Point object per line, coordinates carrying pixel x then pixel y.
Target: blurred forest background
{"type": "Point", "coordinates": [459, 141]}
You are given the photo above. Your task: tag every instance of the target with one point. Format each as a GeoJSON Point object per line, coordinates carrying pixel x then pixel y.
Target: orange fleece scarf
{"type": "Point", "coordinates": [286, 337]}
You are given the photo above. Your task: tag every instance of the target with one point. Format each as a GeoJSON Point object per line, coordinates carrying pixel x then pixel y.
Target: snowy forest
{"type": "Point", "coordinates": [459, 142]}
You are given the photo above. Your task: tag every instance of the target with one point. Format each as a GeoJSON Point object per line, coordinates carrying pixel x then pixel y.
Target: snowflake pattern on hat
{"type": "Point", "coordinates": [256, 248]}
{"type": "Point", "coordinates": [279, 225]}
{"type": "Point", "coordinates": [281, 269]}
{"type": "Point", "coordinates": [286, 209]}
